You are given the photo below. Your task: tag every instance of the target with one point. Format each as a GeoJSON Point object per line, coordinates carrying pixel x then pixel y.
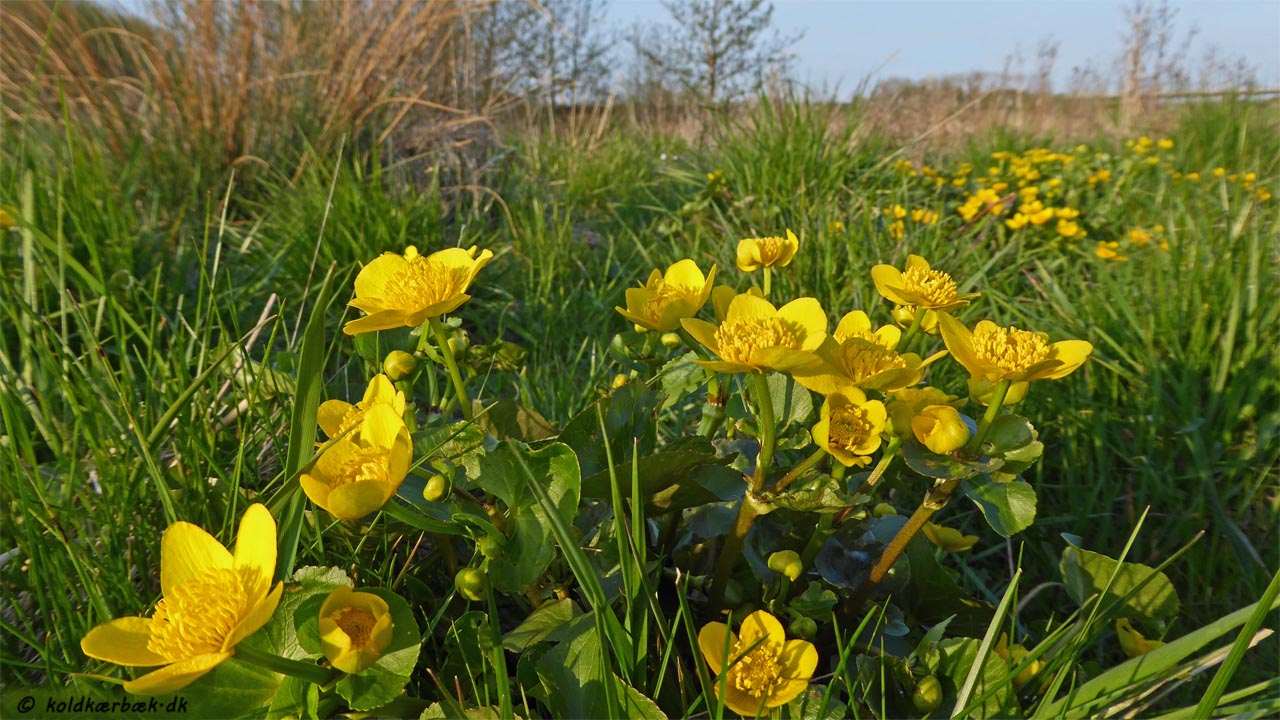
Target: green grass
{"type": "Point", "coordinates": [127, 404]}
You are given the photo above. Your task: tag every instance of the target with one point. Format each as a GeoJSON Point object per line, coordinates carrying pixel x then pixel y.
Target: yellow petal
{"type": "Point", "coordinates": [255, 555]}
{"type": "Point", "coordinates": [187, 552]}
{"type": "Point", "coordinates": [1072, 354]}
{"type": "Point", "coordinates": [317, 490]}
{"type": "Point", "coordinates": [738, 700]}
{"type": "Point", "coordinates": [380, 390]}
{"type": "Point", "coordinates": [721, 297]}
{"type": "Point", "coordinates": [746, 306]}
{"type": "Point", "coordinates": [381, 320]}
{"type": "Point", "coordinates": [122, 641]}
{"type": "Point", "coordinates": [381, 427]}
{"type": "Point", "coordinates": [255, 619]}
{"type": "Point", "coordinates": [334, 640]}
{"type": "Point", "coordinates": [716, 642]}
{"type": "Point", "coordinates": [723, 366]}
{"type": "Point", "coordinates": [799, 658]}
{"type": "Point", "coordinates": [761, 624]}
{"type": "Point", "coordinates": [330, 416]}
{"type": "Point", "coordinates": [355, 500]}
{"type": "Point", "coordinates": [176, 676]}
{"type": "Point", "coordinates": [808, 313]}
{"type": "Point", "coordinates": [372, 280]}
{"type": "Point", "coordinates": [888, 281]}
{"type": "Point", "coordinates": [853, 323]}
{"type": "Point", "coordinates": [959, 343]}
{"type": "Point", "coordinates": [702, 331]}
{"type": "Point", "coordinates": [748, 255]}
{"type": "Point", "coordinates": [685, 272]}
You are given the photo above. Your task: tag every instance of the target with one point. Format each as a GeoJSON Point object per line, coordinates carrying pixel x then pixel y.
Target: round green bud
{"type": "Point", "coordinates": [803, 627]}
{"type": "Point", "coordinates": [928, 694]}
{"type": "Point", "coordinates": [470, 583]}
{"type": "Point", "coordinates": [399, 365]}
{"type": "Point", "coordinates": [671, 340]}
{"type": "Point", "coordinates": [619, 380]}
{"type": "Point", "coordinates": [458, 344]}
{"type": "Point", "coordinates": [437, 488]}
{"type": "Point", "coordinates": [882, 509]}
{"type": "Point", "coordinates": [786, 562]}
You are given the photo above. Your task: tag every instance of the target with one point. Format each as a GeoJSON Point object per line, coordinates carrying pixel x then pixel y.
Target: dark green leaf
{"type": "Point", "coordinates": [1008, 507]}
{"type": "Point", "coordinates": [1086, 573]}
{"type": "Point", "coordinates": [539, 624]}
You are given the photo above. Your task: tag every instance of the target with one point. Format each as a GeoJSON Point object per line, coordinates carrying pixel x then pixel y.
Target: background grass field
{"type": "Point", "coordinates": [153, 304]}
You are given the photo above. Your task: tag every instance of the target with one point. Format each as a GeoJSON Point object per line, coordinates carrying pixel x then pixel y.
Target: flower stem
{"type": "Point", "coordinates": [768, 429]}
{"type": "Point", "coordinates": [746, 511]}
{"type": "Point", "coordinates": [442, 341]}
{"type": "Point", "coordinates": [885, 460]}
{"type": "Point", "coordinates": [800, 469]}
{"type": "Point", "coordinates": [933, 502]}
{"type": "Point", "coordinates": [916, 321]}
{"type": "Point", "coordinates": [819, 536]}
{"type": "Point", "coordinates": [310, 672]}
{"type": "Point", "coordinates": [768, 280]}
{"type": "Point", "coordinates": [993, 411]}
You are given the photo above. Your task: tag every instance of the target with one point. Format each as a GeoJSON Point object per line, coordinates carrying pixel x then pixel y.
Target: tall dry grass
{"type": "Point", "coordinates": [222, 81]}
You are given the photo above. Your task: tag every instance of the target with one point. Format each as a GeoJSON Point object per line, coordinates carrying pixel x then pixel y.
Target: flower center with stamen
{"type": "Point", "coordinates": [357, 623]}
{"type": "Point", "coordinates": [365, 463]}
{"type": "Point", "coordinates": [198, 615]}
{"type": "Point", "coordinates": [851, 427]}
{"type": "Point", "coordinates": [770, 249]}
{"type": "Point", "coordinates": [739, 338]}
{"type": "Point", "coordinates": [422, 283]}
{"type": "Point", "coordinates": [934, 286]}
{"type": "Point", "coordinates": [758, 672]}
{"type": "Point", "coordinates": [1010, 349]}
{"type": "Point", "coordinates": [863, 359]}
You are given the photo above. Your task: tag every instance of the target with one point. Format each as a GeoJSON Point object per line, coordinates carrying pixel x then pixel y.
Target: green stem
{"type": "Point", "coordinates": [885, 460]}
{"type": "Point", "coordinates": [768, 430]}
{"type": "Point", "coordinates": [768, 280]}
{"type": "Point", "coordinates": [310, 672]}
{"type": "Point", "coordinates": [442, 340]}
{"type": "Point", "coordinates": [729, 552]}
{"type": "Point", "coordinates": [825, 522]}
{"type": "Point", "coordinates": [993, 411]}
{"type": "Point", "coordinates": [800, 469]}
{"type": "Point", "coordinates": [713, 411]}
{"type": "Point", "coordinates": [905, 343]}
{"type": "Point", "coordinates": [933, 502]}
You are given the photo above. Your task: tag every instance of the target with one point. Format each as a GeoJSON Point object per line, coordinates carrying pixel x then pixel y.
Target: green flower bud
{"type": "Point", "coordinates": [399, 365]}
{"type": "Point", "coordinates": [471, 583]}
{"type": "Point", "coordinates": [928, 694]}
{"type": "Point", "coordinates": [882, 509]}
{"type": "Point", "coordinates": [458, 344]}
{"type": "Point", "coordinates": [786, 562]}
{"type": "Point", "coordinates": [437, 488]}
{"type": "Point", "coordinates": [671, 340]}
{"type": "Point", "coordinates": [803, 627]}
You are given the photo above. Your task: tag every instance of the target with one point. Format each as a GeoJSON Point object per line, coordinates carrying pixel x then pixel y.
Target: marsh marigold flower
{"type": "Point", "coordinates": [357, 473]}
{"type": "Point", "coordinates": [212, 600]}
{"type": "Point", "coordinates": [919, 285]}
{"type": "Point", "coordinates": [1016, 654]}
{"type": "Point", "coordinates": [355, 629]}
{"type": "Point", "coordinates": [338, 418]}
{"type": "Point", "coordinates": [904, 405]}
{"type": "Point", "coordinates": [407, 290]}
{"type": "Point", "coordinates": [755, 336]}
{"type": "Point", "coordinates": [760, 669]}
{"type": "Point", "coordinates": [940, 428]}
{"type": "Point", "coordinates": [755, 253]}
{"type": "Point", "coordinates": [993, 354]}
{"type": "Point", "coordinates": [667, 298]}
{"type": "Point", "coordinates": [849, 426]}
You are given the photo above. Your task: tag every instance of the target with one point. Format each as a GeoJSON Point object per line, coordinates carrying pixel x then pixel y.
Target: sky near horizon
{"type": "Point", "coordinates": [847, 41]}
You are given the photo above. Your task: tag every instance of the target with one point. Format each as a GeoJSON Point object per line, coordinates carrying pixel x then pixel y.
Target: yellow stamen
{"type": "Point", "coordinates": [423, 282]}
{"type": "Point", "coordinates": [934, 285]}
{"type": "Point", "coordinates": [365, 464]}
{"type": "Point", "coordinates": [1010, 349]}
{"type": "Point", "coordinates": [851, 428]}
{"type": "Point", "coordinates": [196, 617]}
{"type": "Point", "coordinates": [861, 360]}
{"type": "Point", "coordinates": [740, 337]}
{"type": "Point", "coordinates": [757, 672]}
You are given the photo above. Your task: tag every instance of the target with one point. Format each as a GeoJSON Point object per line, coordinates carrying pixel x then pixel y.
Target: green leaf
{"type": "Point", "coordinates": [1010, 432]}
{"type": "Point", "coordinates": [383, 681]}
{"type": "Point", "coordinates": [1092, 697]}
{"type": "Point", "coordinates": [792, 402]}
{"type": "Point", "coordinates": [509, 419]}
{"type": "Point", "coordinates": [818, 703]}
{"type": "Point", "coordinates": [539, 624]}
{"type": "Point", "coordinates": [234, 689]}
{"type": "Point", "coordinates": [821, 494]}
{"type": "Point", "coordinates": [1009, 507]}
{"type": "Point", "coordinates": [684, 475]}
{"type": "Point", "coordinates": [944, 467]}
{"type": "Point", "coordinates": [815, 602]}
{"type": "Point", "coordinates": [574, 676]}
{"type": "Point", "coordinates": [1087, 573]}
{"type": "Point", "coordinates": [629, 413]}
{"type": "Point", "coordinates": [959, 656]}
{"type": "Point", "coordinates": [680, 378]}
{"type": "Point", "coordinates": [296, 698]}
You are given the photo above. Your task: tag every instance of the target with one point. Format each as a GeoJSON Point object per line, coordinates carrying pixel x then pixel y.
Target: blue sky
{"type": "Point", "coordinates": [846, 41]}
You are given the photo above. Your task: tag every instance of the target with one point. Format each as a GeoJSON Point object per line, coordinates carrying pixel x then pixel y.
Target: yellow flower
{"type": "Point", "coordinates": [919, 285]}
{"type": "Point", "coordinates": [355, 628]}
{"type": "Point", "coordinates": [1219, 172]}
{"type": "Point", "coordinates": [897, 229]}
{"type": "Point", "coordinates": [849, 426]}
{"type": "Point", "coordinates": [755, 336]}
{"type": "Point", "coordinates": [992, 354]}
{"type": "Point", "coordinates": [354, 476]}
{"type": "Point", "coordinates": [667, 298]}
{"type": "Point", "coordinates": [1015, 654]}
{"type": "Point", "coordinates": [904, 315]}
{"type": "Point", "coordinates": [6, 220]}
{"type": "Point", "coordinates": [1165, 144]}
{"type": "Point", "coordinates": [863, 363]}
{"type": "Point", "coordinates": [1131, 641]}
{"type": "Point", "coordinates": [406, 290]}
{"type": "Point", "coordinates": [1193, 176]}
{"type": "Point", "coordinates": [212, 600]}
{"type": "Point", "coordinates": [759, 670]}
{"type": "Point", "coordinates": [857, 324]}
{"type": "Point", "coordinates": [1016, 222]}
{"type": "Point", "coordinates": [940, 428]}
{"type": "Point", "coordinates": [398, 365]}
{"type": "Point", "coordinates": [338, 418]}
{"type": "Point", "coordinates": [898, 212]}
{"type": "Point", "coordinates": [1067, 213]}
{"type": "Point", "coordinates": [907, 403]}
{"type": "Point", "coordinates": [1067, 228]}
{"type": "Point", "coordinates": [1109, 251]}
{"type": "Point", "coordinates": [949, 539]}
{"type": "Point", "coordinates": [755, 253]}
{"type": "Point", "coordinates": [1138, 236]}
